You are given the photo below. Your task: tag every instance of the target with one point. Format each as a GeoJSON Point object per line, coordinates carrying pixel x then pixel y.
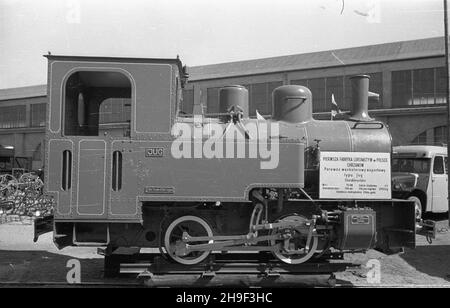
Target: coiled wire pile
{"type": "Point", "coordinates": [22, 199]}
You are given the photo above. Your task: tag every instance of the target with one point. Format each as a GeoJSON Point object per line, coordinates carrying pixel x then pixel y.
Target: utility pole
{"type": "Point", "coordinates": [447, 98]}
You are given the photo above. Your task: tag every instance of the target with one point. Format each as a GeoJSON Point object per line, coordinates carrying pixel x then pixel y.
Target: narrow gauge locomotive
{"type": "Point", "coordinates": [183, 185]}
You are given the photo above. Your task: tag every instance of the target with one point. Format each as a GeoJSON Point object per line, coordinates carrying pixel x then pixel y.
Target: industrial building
{"type": "Point", "coordinates": [409, 77]}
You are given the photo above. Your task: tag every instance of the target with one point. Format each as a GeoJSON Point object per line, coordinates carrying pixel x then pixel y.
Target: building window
{"type": "Point", "coordinates": [258, 99]}
{"type": "Point", "coordinates": [187, 104]}
{"type": "Point", "coordinates": [432, 136]}
{"type": "Point", "coordinates": [260, 96]}
{"type": "Point", "coordinates": [401, 88]}
{"type": "Point", "coordinates": [317, 87]}
{"type": "Point", "coordinates": [38, 115]}
{"type": "Point", "coordinates": [418, 87]}
{"type": "Point", "coordinates": [13, 116]}
{"type": "Point", "coordinates": [212, 100]}
{"type": "Point", "coordinates": [115, 110]}
{"type": "Point", "coordinates": [441, 85]}
{"type": "Point", "coordinates": [440, 135]}
{"type": "Point", "coordinates": [423, 86]}
{"type": "Point", "coordinates": [420, 139]}
{"type": "Point", "coordinates": [376, 86]}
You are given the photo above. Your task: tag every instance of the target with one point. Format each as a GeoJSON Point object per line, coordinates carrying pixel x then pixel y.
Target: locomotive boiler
{"type": "Point", "coordinates": [190, 186]}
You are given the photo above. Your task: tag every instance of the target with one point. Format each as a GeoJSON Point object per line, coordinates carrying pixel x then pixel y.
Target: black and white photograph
{"type": "Point", "coordinates": [224, 150]}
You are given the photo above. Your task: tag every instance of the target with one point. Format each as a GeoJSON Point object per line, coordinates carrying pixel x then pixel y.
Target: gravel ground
{"type": "Point", "coordinates": [22, 260]}
{"type": "Point", "coordinates": [428, 265]}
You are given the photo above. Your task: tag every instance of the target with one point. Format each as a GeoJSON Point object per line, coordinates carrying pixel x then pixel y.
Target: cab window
{"type": "Point", "coordinates": [414, 165]}
{"type": "Point", "coordinates": [97, 97]}
{"type": "Point", "coordinates": [438, 165]}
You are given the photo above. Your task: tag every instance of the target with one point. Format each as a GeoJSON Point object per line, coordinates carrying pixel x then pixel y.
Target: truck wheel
{"type": "Point", "coordinates": [417, 207]}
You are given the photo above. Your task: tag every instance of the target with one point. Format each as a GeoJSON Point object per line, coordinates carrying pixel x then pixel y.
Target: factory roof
{"type": "Point", "coordinates": [395, 51]}
{"type": "Point", "coordinates": [23, 92]}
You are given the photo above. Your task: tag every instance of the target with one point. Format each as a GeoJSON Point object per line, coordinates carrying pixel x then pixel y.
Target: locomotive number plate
{"type": "Point", "coordinates": [159, 190]}
{"type": "Point", "coordinates": [154, 152]}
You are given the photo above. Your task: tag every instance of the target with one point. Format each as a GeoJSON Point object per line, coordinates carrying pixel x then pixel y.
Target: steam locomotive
{"type": "Point", "coordinates": [290, 185]}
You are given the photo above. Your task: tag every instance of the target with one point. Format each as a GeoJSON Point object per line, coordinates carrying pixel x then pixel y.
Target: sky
{"type": "Point", "coordinates": [199, 31]}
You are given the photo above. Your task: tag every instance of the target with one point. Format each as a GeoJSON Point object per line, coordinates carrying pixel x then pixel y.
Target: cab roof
{"type": "Point", "coordinates": [175, 61]}
{"type": "Point", "coordinates": [425, 151]}
{"type": "Point", "coordinates": [113, 59]}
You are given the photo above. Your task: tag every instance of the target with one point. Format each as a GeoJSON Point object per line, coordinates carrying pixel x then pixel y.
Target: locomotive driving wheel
{"type": "Point", "coordinates": [193, 226]}
{"type": "Point", "coordinates": [293, 249]}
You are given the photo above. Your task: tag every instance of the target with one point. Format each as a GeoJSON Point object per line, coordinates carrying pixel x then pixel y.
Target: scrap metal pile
{"type": "Point", "coordinates": [23, 198]}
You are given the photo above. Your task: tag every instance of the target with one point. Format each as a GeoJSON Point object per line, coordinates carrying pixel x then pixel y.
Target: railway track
{"type": "Point", "coordinates": [233, 270]}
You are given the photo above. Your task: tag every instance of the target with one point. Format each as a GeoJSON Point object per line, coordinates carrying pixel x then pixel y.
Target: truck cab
{"type": "Point", "coordinates": [419, 173]}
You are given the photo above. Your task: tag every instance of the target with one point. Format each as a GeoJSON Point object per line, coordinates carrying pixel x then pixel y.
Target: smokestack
{"type": "Point", "coordinates": [360, 98]}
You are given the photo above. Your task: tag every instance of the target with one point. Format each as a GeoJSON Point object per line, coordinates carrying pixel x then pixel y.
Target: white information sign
{"type": "Point", "coordinates": [355, 175]}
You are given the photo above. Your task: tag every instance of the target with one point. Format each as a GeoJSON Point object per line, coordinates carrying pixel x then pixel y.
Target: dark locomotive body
{"type": "Point", "coordinates": [129, 189]}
